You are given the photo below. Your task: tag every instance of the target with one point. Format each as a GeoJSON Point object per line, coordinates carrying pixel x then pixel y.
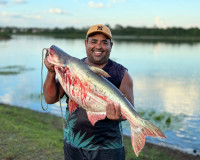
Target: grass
{"type": "Point", "coordinates": [26, 134]}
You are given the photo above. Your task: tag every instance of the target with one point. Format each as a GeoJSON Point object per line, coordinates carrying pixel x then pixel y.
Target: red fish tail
{"type": "Point", "coordinates": [138, 133]}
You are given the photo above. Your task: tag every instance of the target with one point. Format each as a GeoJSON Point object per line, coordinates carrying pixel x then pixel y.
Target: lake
{"type": "Point", "coordinates": [166, 82]}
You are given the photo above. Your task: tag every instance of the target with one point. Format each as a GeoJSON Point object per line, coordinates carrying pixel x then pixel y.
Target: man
{"type": "Point", "coordinates": [103, 140]}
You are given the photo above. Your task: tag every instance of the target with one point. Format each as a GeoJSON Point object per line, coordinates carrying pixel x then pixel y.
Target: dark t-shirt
{"type": "Point", "coordinates": [105, 134]}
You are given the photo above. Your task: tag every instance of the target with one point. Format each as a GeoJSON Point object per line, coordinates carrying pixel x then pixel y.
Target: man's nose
{"type": "Point", "coordinates": [99, 46]}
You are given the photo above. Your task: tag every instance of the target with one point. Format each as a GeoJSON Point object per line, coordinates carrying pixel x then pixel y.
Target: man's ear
{"type": "Point", "coordinates": [111, 43]}
{"type": "Point", "coordinates": [86, 42]}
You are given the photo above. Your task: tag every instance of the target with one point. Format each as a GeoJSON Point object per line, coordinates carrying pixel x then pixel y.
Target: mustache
{"type": "Point", "coordinates": [97, 50]}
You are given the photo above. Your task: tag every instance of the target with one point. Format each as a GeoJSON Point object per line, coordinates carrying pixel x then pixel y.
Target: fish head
{"type": "Point", "coordinates": [57, 57]}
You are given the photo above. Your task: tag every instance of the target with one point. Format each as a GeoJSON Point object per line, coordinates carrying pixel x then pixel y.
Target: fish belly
{"type": "Point", "coordinates": [83, 92]}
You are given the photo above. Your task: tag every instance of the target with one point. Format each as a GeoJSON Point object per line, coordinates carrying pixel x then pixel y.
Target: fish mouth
{"type": "Point", "coordinates": [51, 56]}
{"type": "Point", "coordinates": [59, 69]}
{"type": "Point", "coordinates": [50, 59]}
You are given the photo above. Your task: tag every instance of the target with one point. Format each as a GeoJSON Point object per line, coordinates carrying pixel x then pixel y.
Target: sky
{"type": "Point", "coordinates": [84, 13]}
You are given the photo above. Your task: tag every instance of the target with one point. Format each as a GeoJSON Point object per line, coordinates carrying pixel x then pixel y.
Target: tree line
{"type": "Point", "coordinates": [118, 30]}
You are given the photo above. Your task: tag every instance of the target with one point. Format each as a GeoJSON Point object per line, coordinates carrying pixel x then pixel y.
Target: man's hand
{"type": "Point", "coordinates": [49, 66]}
{"type": "Point", "coordinates": [113, 112]}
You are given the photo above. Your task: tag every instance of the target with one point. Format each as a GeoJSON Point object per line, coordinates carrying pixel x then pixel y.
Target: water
{"type": "Point", "coordinates": [166, 80]}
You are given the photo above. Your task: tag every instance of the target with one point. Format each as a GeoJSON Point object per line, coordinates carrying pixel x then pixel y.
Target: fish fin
{"type": "Point", "coordinates": [94, 117]}
{"type": "Point", "coordinates": [72, 106]}
{"type": "Point", "coordinates": [138, 134]}
{"type": "Point", "coordinates": [99, 71]}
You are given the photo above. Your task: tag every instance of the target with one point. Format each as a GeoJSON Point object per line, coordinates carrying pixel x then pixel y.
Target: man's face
{"type": "Point", "coordinates": [98, 48]}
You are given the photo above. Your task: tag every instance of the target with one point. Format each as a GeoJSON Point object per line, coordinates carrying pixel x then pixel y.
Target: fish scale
{"type": "Point", "coordinates": [92, 92]}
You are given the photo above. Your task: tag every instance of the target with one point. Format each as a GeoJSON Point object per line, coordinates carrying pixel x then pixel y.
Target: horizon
{"type": "Point", "coordinates": [86, 27]}
{"type": "Point", "coordinates": [82, 14]}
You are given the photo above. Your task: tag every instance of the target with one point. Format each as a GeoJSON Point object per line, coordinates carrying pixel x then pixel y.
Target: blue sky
{"type": "Point", "coordinates": [83, 13]}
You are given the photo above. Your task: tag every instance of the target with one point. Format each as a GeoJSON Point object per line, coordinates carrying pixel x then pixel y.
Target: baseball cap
{"type": "Point", "coordinates": [99, 28]}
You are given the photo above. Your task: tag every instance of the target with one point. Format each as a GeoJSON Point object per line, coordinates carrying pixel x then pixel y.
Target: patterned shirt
{"type": "Point", "coordinates": [105, 134]}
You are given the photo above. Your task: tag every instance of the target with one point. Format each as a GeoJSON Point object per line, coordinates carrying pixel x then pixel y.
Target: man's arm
{"type": "Point", "coordinates": [52, 88]}
{"type": "Point", "coordinates": [126, 87]}
{"type": "Point", "coordinates": [113, 112]}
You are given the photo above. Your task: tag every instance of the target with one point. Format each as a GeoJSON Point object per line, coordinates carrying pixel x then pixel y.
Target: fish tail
{"type": "Point", "coordinates": [138, 133]}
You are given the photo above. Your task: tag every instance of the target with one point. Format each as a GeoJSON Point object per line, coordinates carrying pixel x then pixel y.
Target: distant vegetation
{"type": "Point", "coordinates": [5, 35]}
{"type": "Point", "coordinates": [119, 32]}
{"type": "Point", "coordinates": [16, 69]}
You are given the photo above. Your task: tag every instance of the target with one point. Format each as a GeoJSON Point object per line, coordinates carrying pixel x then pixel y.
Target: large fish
{"type": "Point", "coordinates": [84, 85]}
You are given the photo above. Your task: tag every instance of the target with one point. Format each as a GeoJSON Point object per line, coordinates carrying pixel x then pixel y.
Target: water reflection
{"type": "Point", "coordinates": [175, 96]}
{"type": "Point", "coordinates": [181, 99]}
{"type": "Point", "coordinates": [6, 98]}
{"type": "Point", "coordinates": [157, 48]}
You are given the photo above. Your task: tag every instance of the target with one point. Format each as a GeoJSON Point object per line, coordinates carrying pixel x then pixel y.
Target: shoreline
{"type": "Point", "coordinates": [167, 147]}
{"type": "Point", "coordinates": [121, 38]}
{"type": "Point", "coordinates": [39, 127]}
{"type": "Point", "coordinates": [174, 152]}
{"type": "Point", "coordinates": [171, 152]}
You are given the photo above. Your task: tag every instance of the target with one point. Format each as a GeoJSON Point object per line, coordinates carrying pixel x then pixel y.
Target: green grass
{"type": "Point", "coordinates": [26, 134]}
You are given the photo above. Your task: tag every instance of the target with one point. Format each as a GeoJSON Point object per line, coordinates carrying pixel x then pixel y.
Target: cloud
{"type": "Point", "coordinates": [19, 1]}
{"type": "Point", "coordinates": [160, 23]}
{"type": "Point", "coordinates": [37, 17]}
{"type": "Point", "coordinates": [57, 11]}
{"type": "Point", "coordinates": [3, 13]}
{"type": "Point", "coordinates": [118, 1]}
{"type": "Point", "coordinates": [10, 3]}
{"type": "Point", "coordinates": [19, 16]}
{"type": "Point", "coordinates": [95, 5]}
{"type": "Point", "coordinates": [3, 2]}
